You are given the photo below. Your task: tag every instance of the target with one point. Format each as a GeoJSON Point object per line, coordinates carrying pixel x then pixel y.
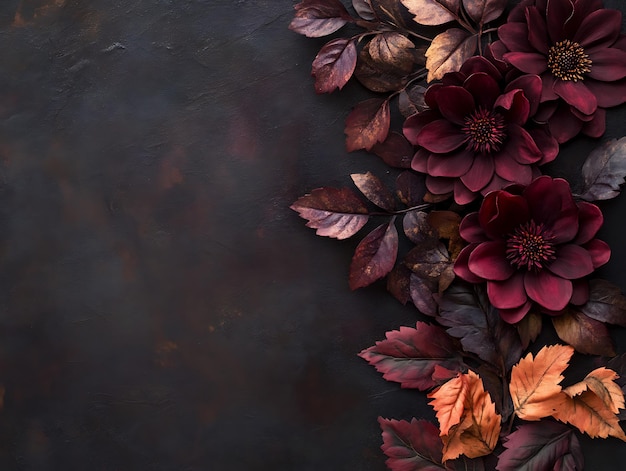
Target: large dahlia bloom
{"type": "Point", "coordinates": [575, 46]}
{"type": "Point", "coordinates": [532, 245]}
{"type": "Point", "coordinates": [476, 135]}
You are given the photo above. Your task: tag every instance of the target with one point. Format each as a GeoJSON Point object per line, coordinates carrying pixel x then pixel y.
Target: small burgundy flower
{"type": "Point", "coordinates": [474, 136]}
{"type": "Point", "coordinates": [575, 46]}
{"type": "Point", "coordinates": [532, 244]}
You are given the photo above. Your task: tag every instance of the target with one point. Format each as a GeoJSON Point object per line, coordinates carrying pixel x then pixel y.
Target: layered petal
{"type": "Point", "coordinates": [488, 261]}
{"type": "Point", "coordinates": [548, 290]}
{"type": "Point", "coordinates": [508, 294]}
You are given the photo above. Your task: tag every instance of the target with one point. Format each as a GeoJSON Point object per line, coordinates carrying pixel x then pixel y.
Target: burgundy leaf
{"type": "Point", "coordinates": [466, 311]}
{"type": "Point", "coordinates": [604, 171]}
{"type": "Point", "coordinates": [411, 446]}
{"type": "Point", "coordinates": [411, 188]}
{"type": "Point", "coordinates": [409, 356]}
{"type": "Point", "coordinates": [417, 229]}
{"type": "Point", "coordinates": [317, 18]}
{"type": "Point", "coordinates": [484, 11]}
{"type": "Point", "coordinates": [334, 65]}
{"type": "Point", "coordinates": [396, 150]}
{"type": "Point", "coordinates": [541, 445]}
{"type": "Point", "coordinates": [431, 262]}
{"type": "Point", "coordinates": [398, 283]}
{"type": "Point", "coordinates": [606, 303]}
{"type": "Point", "coordinates": [375, 256]}
{"type": "Point", "coordinates": [422, 295]}
{"type": "Point", "coordinates": [337, 213]}
{"type": "Point", "coordinates": [367, 124]}
{"type": "Point", "coordinates": [585, 334]}
{"type": "Point", "coordinates": [448, 51]}
{"type": "Point", "coordinates": [529, 328]}
{"type": "Point", "coordinates": [374, 190]}
{"type": "Point", "coordinates": [364, 9]}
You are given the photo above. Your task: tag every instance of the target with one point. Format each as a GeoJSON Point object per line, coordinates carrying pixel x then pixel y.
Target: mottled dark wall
{"type": "Point", "coordinates": [161, 308]}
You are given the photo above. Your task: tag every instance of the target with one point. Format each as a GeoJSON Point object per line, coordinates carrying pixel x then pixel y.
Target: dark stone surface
{"type": "Point", "coordinates": [161, 308]}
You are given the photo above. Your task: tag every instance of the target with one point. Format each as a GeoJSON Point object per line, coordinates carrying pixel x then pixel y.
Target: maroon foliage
{"type": "Point", "coordinates": [316, 18]}
{"type": "Point", "coordinates": [367, 124]}
{"type": "Point", "coordinates": [375, 256]}
{"type": "Point", "coordinates": [334, 64]}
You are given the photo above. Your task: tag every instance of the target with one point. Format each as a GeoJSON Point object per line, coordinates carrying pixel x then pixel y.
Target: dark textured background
{"type": "Point", "coordinates": [161, 308]}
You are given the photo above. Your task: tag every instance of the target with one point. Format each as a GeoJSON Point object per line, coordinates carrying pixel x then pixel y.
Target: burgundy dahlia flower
{"type": "Point", "coordinates": [532, 244]}
{"type": "Point", "coordinates": [575, 46]}
{"type": "Point", "coordinates": [474, 136]}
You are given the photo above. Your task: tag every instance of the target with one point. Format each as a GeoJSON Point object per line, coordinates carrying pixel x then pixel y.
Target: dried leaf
{"type": "Point", "coordinates": [409, 356]}
{"type": "Point", "coordinates": [529, 328]}
{"type": "Point", "coordinates": [413, 446]}
{"type": "Point", "coordinates": [411, 188]}
{"type": "Point", "coordinates": [364, 9]}
{"type": "Point", "coordinates": [484, 11]}
{"type": "Point", "coordinates": [367, 124]}
{"type": "Point", "coordinates": [385, 62]}
{"type": "Point", "coordinates": [535, 381]}
{"type": "Point", "coordinates": [446, 224]}
{"type": "Point", "coordinates": [411, 101]}
{"type": "Point", "coordinates": [600, 381]}
{"type": "Point", "coordinates": [604, 171]}
{"type": "Point", "coordinates": [417, 229]}
{"type": "Point", "coordinates": [586, 335]}
{"type": "Point", "coordinates": [317, 18]}
{"type": "Point", "coordinates": [422, 295]}
{"type": "Point", "coordinates": [498, 389]}
{"type": "Point", "coordinates": [433, 12]}
{"type": "Point", "coordinates": [375, 256]}
{"type": "Point", "coordinates": [337, 213]}
{"type": "Point", "coordinates": [606, 303]}
{"type": "Point", "coordinates": [448, 51]}
{"type": "Point", "coordinates": [398, 283]}
{"type": "Point", "coordinates": [466, 311]}
{"type": "Point", "coordinates": [431, 262]}
{"type": "Point", "coordinates": [334, 65]}
{"type": "Point", "coordinates": [390, 11]}
{"type": "Point", "coordinates": [396, 150]}
{"type": "Point", "coordinates": [374, 190]}
{"type": "Point", "coordinates": [541, 446]}
{"type": "Point", "coordinates": [449, 401]}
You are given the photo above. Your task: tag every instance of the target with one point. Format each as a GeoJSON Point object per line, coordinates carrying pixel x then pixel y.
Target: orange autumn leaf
{"type": "Point", "coordinates": [535, 381]}
{"type": "Point", "coordinates": [601, 381]}
{"type": "Point", "coordinates": [469, 424]}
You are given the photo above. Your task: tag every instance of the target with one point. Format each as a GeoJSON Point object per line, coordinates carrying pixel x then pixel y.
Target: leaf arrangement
{"type": "Point", "coordinates": [473, 233]}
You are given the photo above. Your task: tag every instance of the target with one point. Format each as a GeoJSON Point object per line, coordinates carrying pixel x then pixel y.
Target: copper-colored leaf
{"type": "Point", "coordinates": [337, 213]}
{"type": "Point", "coordinates": [396, 150]}
{"type": "Point", "coordinates": [446, 224]}
{"type": "Point", "coordinates": [390, 11]}
{"type": "Point", "coordinates": [585, 334]}
{"type": "Point", "coordinates": [529, 328]}
{"type": "Point", "coordinates": [601, 381]}
{"type": "Point", "coordinates": [375, 256]}
{"type": "Point", "coordinates": [317, 18]}
{"type": "Point", "coordinates": [374, 190]}
{"type": "Point", "coordinates": [484, 11]}
{"type": "Point", "coordinates": [449, 402]}
{"type": "Point", "coordinates": [448, 51]}
{"type": "Point", "coordinates": [606, 303]}
{"type": "Point", "coordinates": [535, 381]}
{"type": "Point", "coordinates": [433, 12]}
{"type": "Point", "coordinates": [334, 65]}
{"type": "Point", "coordinates": [367, 124]}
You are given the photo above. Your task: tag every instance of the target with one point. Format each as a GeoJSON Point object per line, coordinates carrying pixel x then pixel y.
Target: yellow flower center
{"type": "Point", "coordinates": [567, 61]}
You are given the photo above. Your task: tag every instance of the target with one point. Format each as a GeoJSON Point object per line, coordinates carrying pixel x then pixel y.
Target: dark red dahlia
{"type": "Point", "coordinates": [532, 244]}
{"type": "Point", "coordinates": [575, 46]}
{"type": "Point", "coordinates": [476, 135]}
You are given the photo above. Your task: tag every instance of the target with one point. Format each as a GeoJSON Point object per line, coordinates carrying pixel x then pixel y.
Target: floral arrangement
{"type": "Point", "coordinates": [488, 91]}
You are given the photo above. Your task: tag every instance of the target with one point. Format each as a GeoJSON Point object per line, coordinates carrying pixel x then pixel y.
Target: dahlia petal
{"type": "Point", "coordinates": [537, 30]}
{"type": "Point", "coordinates": [590, 220]}
{"type": "Point", "coordinates": [549, 291]}
{"type": "Point", "coordinates": [572, 261]}
{"type": "Point", "coordinates": [439, 185]}
{"type": "Point", "coordinates": [462, 194]}
{"type": "Point", "coordinates": [480, 173]}
{"type": "Point", "coordinates": [415, 123]}
{"type": "Point", "coordinates": [600, 28]}
{"type": "Point", "coordinates": [580, 294]}
{"type": "Point", "coordinates": [608, 94]}
{"type": "Point", "coordinates": [430, 96]}
{"type": "Point", "coordinates": [531, 86]}
{"type": "Point", "coordinates": [460, 265]}
{"type": "Point", "coordinates": [608, 64]}
{"type": "Point", "coordinates": [513, 316]}
{"type": "Point", "coordinates": [599, 250]}
{"type": "Point", "coordinates": [450, 165]}
{"type": "Point", "coordinates": [496, 183]}
{"type": "Point", "coordinates": [514, 35]}
{"type": "Point", "coordinates": [509, 169]}
{"type": "Point", "coordinates": [455, 104]}
{"type": "Point", "coordinates": [508, 294]}
{"type": "Point", "coordinates": [419, 163]}
{"type": "Point", "coordinates": [488, 261]}
{"type": "Point", "coordinates": [563, 125]}
{"type": "Point", "coordinates": [596, 126]}
{"type": "Point", "coordinates": [478, 64]}
{"type": "Point", "coordinates": [483, 88]}
{"type": "Point", "coordinates": [528, 62]}
{"type": "Point", "coordinates": [576, 94]}
{"type": "Point", "coordinates": [546, 143]}
{"type": "Point", "coordinates": [558, 12]}
{"type": "Point", "coordinates": [501, 212]}
{"type": "Point", "coordinates": [522, 146]}
{"type": "Point", "coordinates": [470, 229]}
{"type": "Point", "coordinates": [516, 105]}
{"type": "Point", "coordinates": [440, 136]}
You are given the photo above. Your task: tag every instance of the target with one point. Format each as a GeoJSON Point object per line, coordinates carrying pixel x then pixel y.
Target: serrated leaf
{"type": "Point", "coordinates": [604, 171]}
{"type": "Point", "coordinates": [606, 303]}
{"type": "Point", "coordinates": [585, 334]}
{"type": "Point", "coordinates": [601, 382]}
{"type": "Point", "coordinates": [448, 51]}
{"type": "Point", "coordinates": [396, 150]}
{"type": "Point", "coordinates": [364, 9]}
{"type": "Point", "coordinates": [367, 124]}
{"type": "Point", "coordinates": [465, 310]}
{"type": "Point", "coordinates": [374, 190]}
{"type": "Point", "coordinates": [411, 446]}
{"type": "Point", "coordinates": [334, 65]}
{"type": "Point", "coordinates": [375, 256]}
{"type": "Point", "coordinates": [535, 381]}
{"type": "Point", "coordinates": [336, 213]}
{"type": "Point", "coordinates": [433, 12]}
{"type": "Point", "coordinates": [317, 18]}
{"type": "Point", "coordinates": [539, 446]}
{"type": "Point", "coordinates": [409, 356]}
{"type": "Point", "coordinates": [484, 11]}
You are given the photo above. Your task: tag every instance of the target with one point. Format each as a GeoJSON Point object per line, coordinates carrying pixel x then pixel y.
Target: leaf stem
{"type": "Point", "coordinates": [401, 211]}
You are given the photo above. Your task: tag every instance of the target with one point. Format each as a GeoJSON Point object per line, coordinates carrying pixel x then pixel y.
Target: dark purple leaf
{"type": "Point", "coordinates": [585, 334]}
{"type": "Point", "coordinates": [529, 328]}
{"type": "Point", "coordinates": [375, 256]}
{"type": "Point", "coordinates": [604, 171]}
{"type": "Point", "coordinates": [391, 11]}
{"type": "Point", "coordinates": [411, 446]}
{"type": "Point", "coordinates": [411, 188]}
{"type": "Point", "coordinates": [606, 303]}
{"type": "Point", "coordinates": [317, 18]}
{"type": "Point", "coordinates": [417, 229]}
{"type": "Point", "coordinates": [337, 213]}
{"type": "Point", "coordinates": [431, 262]}
{"type": "Point", "coordinates": [367, 124]}
{"type": "Point", "coordinates": [409, 356]}
{"type": "Point", "coordinates": [465, 310]}
{"type": "Point", "coordinates": [396, 150]}
{"type": "Point", "coordinates": [364, 9]}
{"type": "Point", "coordinates": [498, 390]}
{"type": "Point", "coordinates": [543, 445]}
{"type": "Point", "coordinates": [411, 101]}
{"type": "Point", "coordinates": [374, 190]}
{"type": "Point", "coordinates": [398, 283]}
{"type": "Point", "coordinates": [463, 463]}
{"type": "Point", "coordinates": [484, 11]}
{"type": "Point", "coordinates": [422, 295]}
{"type": "Point", "coordinates": [334, 65]}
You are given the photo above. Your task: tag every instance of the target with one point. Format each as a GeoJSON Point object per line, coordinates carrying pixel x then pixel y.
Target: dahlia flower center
{"type": "Point", "coordinates": [530, 246]}
{"type": "Point", "coordinates": [485, 131]}
{"type": "Point", "coordinates": [567, 61]}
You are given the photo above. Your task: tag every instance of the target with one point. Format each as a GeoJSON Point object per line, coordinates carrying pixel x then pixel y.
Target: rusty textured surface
{"type": "Point", "coordinates": [161, 308]}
